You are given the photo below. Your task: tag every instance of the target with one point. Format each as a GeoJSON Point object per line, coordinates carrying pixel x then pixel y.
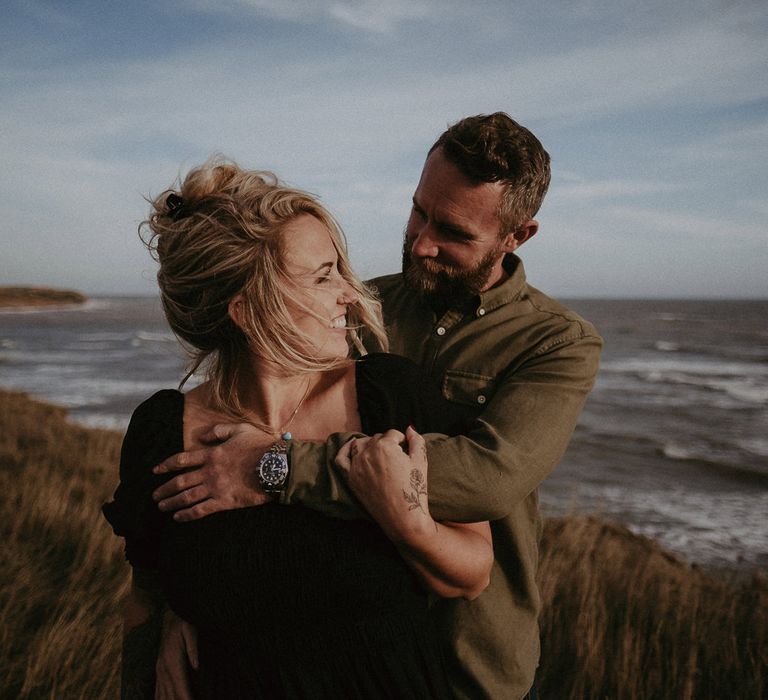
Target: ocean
{"type": "Point", "coordinates": [673, 441]}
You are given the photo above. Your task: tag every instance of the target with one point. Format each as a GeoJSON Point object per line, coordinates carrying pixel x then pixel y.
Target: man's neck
{"type": "Point", "coordinates": [499, 274]}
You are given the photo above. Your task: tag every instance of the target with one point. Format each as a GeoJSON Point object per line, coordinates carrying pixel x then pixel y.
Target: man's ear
{"type": "Point", "coordinates": [520, 235]}
{"type": "Point", "coordinates": [235, 310]}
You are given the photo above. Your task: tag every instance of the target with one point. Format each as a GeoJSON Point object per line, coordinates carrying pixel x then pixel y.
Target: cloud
{"type": "Point", "coordinates": [368, 15]}
{"type": "Point", "coordinates": [758, 206]}
{"type": "Point", "coordinates": [380, 17]}
{"type": "Point", "coordinates": [48, 13]}
{"type": "Point", "coordinates": [684, 226]}
{"type": "Point", "coordinates": [735, 144]}
{"type": "Point", "coordinates": [704, 65]}
{"type": "Point", "coordinates": [587, 191]}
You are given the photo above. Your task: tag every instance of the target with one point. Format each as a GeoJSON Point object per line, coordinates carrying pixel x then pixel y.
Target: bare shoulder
{"type": "Point", "coordinates": [200, 415]}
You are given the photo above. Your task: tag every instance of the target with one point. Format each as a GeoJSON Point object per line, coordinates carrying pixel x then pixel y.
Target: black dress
{"type": "Point", "coordinates": [287, 603]}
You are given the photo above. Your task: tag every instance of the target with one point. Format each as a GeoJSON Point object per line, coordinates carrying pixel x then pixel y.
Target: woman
{"type": "Point", "coordinates": [254, 279]}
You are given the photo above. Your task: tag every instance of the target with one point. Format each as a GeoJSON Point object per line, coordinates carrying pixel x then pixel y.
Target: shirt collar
{"type": "Point", "coordinates": [509, 290]}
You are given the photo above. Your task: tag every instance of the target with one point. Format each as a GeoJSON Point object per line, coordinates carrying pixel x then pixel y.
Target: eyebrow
{"type": "Point", "coordinates": [454, 229]}
{"type": "Point", "coordinates": [324, 266]}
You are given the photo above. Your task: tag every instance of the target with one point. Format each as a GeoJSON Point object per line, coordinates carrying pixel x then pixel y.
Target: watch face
{"type": "Point", "coordinates": [273, 469]}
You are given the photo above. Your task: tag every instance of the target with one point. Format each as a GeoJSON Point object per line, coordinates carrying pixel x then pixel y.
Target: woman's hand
{"type": "Point", "coordinates": [392, 484]}
{"type": "Point", "coordinates": [178, 653]}
{"type": "Point", "coordinates": [452, 559]}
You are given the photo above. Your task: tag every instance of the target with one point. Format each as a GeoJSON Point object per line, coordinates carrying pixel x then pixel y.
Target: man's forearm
{"type": "Point", "coordinates": [316, 482]}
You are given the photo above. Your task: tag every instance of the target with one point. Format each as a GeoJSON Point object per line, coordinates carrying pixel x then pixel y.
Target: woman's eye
{"type": "Point", "coordinates": [323, 280]}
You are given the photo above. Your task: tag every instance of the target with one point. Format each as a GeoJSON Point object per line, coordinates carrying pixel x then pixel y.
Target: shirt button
{"type": "Point", "coordinates": [441, 330]}
{"type": "Point", "coordinates": [481, 311]}
{"type": "Point", "coordinates": [481, 399]}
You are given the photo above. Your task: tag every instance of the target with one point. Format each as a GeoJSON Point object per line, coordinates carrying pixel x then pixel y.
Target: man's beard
{"type": "Point", "coordinates": [434, 280]}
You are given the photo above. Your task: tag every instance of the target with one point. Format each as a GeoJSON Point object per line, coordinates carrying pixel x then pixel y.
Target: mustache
{"type": "Point", "coordinates": [431, 266]}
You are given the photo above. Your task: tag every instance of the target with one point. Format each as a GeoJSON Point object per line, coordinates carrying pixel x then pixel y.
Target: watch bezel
{"type": "Point", "coordinates": [273, 468]}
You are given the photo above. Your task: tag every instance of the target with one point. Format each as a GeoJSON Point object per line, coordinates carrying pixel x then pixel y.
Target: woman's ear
{"type": "Point", "coordinates": [235, 310]}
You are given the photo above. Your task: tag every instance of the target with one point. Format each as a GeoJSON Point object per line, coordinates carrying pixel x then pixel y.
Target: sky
{"type": "Point", "coordinates": [655, 115]}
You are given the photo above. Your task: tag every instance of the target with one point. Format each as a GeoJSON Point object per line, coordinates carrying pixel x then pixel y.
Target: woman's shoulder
{"type": "Point", "coordinates": [154, 433]}
{"type": "Point", "coordinates": [394, 392]}
{"type": "Point", "coordinates": [392, 375]}
{"type": "Point", "coordinates": [387, 365]}
{"type": "Point", "coordinates": [160, 406]}
{"type": "Point", "coordinates": [155, 422]}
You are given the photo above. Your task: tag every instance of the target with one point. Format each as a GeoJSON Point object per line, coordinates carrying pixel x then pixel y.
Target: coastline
{"type": "Point", "coordinates": [621, 615]}
{"type": "Point", "coordinates": [22, 298]}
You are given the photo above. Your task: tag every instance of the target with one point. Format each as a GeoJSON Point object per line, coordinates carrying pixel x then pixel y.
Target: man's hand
{"type": "Point", "coordinates": [177, 654]}
{"type": "Point", "coordinates": [221, 477]}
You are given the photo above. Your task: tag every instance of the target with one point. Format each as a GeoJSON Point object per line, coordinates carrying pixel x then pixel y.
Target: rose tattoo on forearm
{"type": "Point", "coordinates": [418, 488]}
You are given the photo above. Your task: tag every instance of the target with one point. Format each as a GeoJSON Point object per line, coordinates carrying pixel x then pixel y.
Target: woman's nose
{"type": "Point", "coordinates": [347, 294]}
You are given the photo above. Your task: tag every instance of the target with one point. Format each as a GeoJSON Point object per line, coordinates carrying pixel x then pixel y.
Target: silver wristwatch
{"type": "Point", "coordinates": [272, 470]}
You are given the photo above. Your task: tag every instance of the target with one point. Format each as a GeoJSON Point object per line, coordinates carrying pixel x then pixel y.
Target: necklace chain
{"type": "Point", "coordinates": [283, 431]}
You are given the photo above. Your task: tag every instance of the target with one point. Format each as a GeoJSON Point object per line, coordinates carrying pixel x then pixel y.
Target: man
{"type": "Point", "coordinates": [516, 364]}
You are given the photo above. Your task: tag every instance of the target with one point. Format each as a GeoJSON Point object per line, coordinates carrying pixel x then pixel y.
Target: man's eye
{"type": "Point", "coordinates": [455, 234]}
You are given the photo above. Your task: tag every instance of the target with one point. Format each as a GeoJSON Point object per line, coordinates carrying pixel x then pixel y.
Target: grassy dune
{"type": "Point", "coordinates": [623, 619]}
{"type": "Point", "coordinates": [626, 620]}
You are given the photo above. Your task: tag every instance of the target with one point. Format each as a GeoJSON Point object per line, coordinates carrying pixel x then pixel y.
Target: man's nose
{"type": "Point", "coordinates": [424, 244]}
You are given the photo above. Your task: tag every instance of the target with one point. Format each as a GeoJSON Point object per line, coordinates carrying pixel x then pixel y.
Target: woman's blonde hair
{"type": "Point", "coordinates": [219, 236]}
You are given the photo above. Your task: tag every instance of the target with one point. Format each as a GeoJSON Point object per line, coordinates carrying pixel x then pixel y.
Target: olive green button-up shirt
{"type": "Point", "coordinates": [519, 366]}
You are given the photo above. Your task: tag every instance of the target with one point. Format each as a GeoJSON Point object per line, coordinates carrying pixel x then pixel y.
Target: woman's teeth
{"type": "Point", "coordinates": [340, 322]}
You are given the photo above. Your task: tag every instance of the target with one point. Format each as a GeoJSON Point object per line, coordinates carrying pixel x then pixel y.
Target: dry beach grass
{"type": "Point", "coordinates": [623, 619]}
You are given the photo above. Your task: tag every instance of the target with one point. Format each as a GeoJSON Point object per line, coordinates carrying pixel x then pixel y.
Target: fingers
{"type": "Point", "coordinates": [178, 647]}
{"type": "Point", "coordinates": [417, 447]}
{"type": "Point", "coordinates": [190, 641]}
{"type": "Point", "coordinates": [375, 444]}
{"type": "Point", "coordinates": [182, 460]}
{"type": "Point", "coordinates": [376, 451]}
{"type": "Point", "coordinates": [353, 449]}
{"type": "Point", "coordinates": [394, 436]}
{"type": "Point", "coordinates": [184, 499]}
{"type": "Point", "coordinates": [343, 457]}
{"type": "Point", "coordinates": [199, 510]}
{"type": "Point", "coordinates": [177, 485]}
{"type": "Point", "coordinates": [219, 433]}
{"type": "Point", "coordinates": [360, 445]}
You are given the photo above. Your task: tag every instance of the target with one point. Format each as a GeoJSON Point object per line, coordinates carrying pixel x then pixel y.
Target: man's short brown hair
{"type": "Point", "coordinates": [495, 148]}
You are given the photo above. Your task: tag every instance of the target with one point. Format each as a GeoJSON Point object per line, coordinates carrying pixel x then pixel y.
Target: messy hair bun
{"type": "Point", "coordinates": [220, 235]}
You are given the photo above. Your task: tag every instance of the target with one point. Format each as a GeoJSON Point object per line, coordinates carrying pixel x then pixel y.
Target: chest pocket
{"type": "Point", "coordinates": [467, 389]}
